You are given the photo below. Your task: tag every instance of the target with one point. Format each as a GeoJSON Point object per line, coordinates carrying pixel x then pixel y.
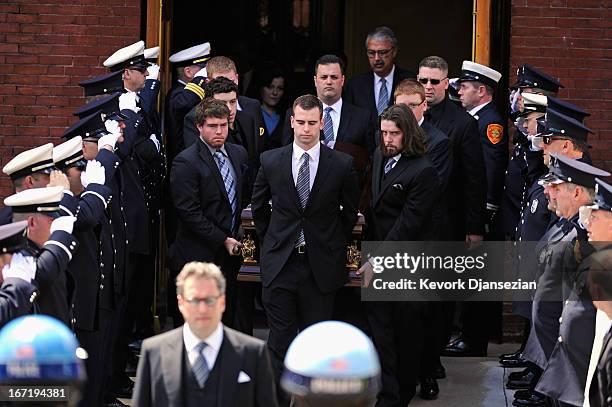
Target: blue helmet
{"type": "Point", "coordinates": [38, 348]}
{"type": "Point", "coordinates": [332, 363]}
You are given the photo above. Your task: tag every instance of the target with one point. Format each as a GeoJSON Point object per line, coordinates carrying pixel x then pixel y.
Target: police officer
{"type": "Point", "coordinates": [39, 350]}
{"type": "Point", "coordinates": [332, 364]}
{"type": "Point", "coordinates": [50, 241]}
{"type": "Point", "coordinates": [557, 265]}
{"type": "Point", "coordinates": [525, 166]}
{"type": "Point", "coordinates": [29, 169]}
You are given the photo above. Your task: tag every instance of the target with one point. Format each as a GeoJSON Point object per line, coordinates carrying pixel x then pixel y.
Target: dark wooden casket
{"type": "Point", "coordinates": [249, 271]}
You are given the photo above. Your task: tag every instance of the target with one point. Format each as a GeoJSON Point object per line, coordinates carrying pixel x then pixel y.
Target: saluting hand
{"type": "Point", "coordinates": [58, 179]}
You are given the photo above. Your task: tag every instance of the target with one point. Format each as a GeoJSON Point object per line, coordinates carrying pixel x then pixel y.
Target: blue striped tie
{"type": "Point", "coordinates": [383, 96]}
{"type": "Point", "coordinates": [200, 367]}
{"type": "Point", "coordinates": [328, 125]}
{"type": "Point", "coordinates": [389, 165]}
{"type": "Point", "coordinates": [228, 181]}
{"type": "Point", "coordinates": [303, 189]}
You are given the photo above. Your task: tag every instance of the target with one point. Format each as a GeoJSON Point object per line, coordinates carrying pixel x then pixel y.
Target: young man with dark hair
{"type": "Point", "coordinates": [313, 190]}
{"type": "Point", "coordinates": [207, 182]}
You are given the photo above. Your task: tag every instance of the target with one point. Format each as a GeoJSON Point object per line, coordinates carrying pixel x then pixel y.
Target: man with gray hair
{"type": "Point", "coordinates": [373, 90]}
{"type": "Point", "coordinates": [203, 362]}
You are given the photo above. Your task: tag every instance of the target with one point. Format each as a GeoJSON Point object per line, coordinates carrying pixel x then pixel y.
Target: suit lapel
{"type": "Point", "coordinates": [231, 352]}
{"type": "Point", "coordinates": [376, 174]}
{"type": "Point", "coordinates": [171, 356]}
{"type": "Point", "coordinates": [392, 175]}
{"type": "Point", "coordinates": [208, 159]}
{"type": "Point", "coordinates": [370, 90]}
{"type": "Point", "coordinates": [287, 174]}
{"type": "Point", "coordinates": [322, 170]}
{"type": "Point", "coordinates": [344, 122]}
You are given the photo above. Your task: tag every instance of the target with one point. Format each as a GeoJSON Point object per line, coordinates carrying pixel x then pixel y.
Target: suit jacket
{"type": "Point", "coordinates": [253, 108]}
{"type": "Point", "coordinates": [16, 297]}
{"type": "Point", "coordinates": [202, 206]}
{"type": "Point", "coordinates": [402, 200]}
{"type": "Point", "coordinates": [357, 126]}
{"type": "Point", "coordinates": [159, 376]}
{"type": "Point", "coordinates": [600, 392]}
{"type": "Point", "coordinates": [327, 219]}
{"type": "Point", "coordinates": [360, 90]}
{"type": "Point", "coordinates": [494, 139]}
{"type": "Point", "coordinates": [467, 196]}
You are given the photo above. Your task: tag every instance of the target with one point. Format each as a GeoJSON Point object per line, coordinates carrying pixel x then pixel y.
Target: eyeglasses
{"type": "Point", "coordinates": [209, 301]}
{"type": "Point", "coordinates": [415, 105]}
{"type": "Point", "coordinates": [380, 52]}
{"type": "Point", "coordinates": [431, 80]}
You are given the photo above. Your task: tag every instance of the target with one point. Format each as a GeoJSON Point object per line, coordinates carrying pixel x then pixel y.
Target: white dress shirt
{"type": "Point", "coordinates": [477, 109]}
{"type": "Point", "coordinates": [335, 112]}
{"type": "Point", "coordinates": [313, 161]}
{"type": "Point", "coordinates": [210, 352]}
{"type": "Point", "coordinates": [389, 79]}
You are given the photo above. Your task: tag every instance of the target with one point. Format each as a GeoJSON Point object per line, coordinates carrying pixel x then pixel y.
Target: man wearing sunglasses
{"type": "Point", "coordinates": [373, 90]}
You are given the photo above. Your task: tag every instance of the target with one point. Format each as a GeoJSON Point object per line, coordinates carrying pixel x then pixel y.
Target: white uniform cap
{"type": "Point", "coordinates": [534, 99]}
{"type": "Point", "coordinates": [151, 53]}
{"type": "Point", "coordinates": [471, 71]}
{"type": "Point", "coordinates": [39, 159]}
{"type": "Point", "coordinates": [131, 56]}
{"type": "Point", "coordinates": [195, 55]}
{"type": "Point", "coordinates": [69, 154]}
{"type": "Point", "coordinates": [42, 200]}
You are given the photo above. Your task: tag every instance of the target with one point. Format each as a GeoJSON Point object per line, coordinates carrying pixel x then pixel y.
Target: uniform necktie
{"type": "Point", "coordinates": [228, 181]}
{"type": "Point", "coordinates": [303, 189]}
{"type": "Point", "coordinates": [389, 165]}
{"type": "Point", "coordinates": [328, 125]}
{"type": "Point", "coordinates": [383, 96]}
{"type": "Point", "coordinates": [200, 366]}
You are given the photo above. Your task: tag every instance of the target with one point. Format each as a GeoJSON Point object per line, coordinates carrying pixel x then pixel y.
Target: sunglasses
{"type": "Point", "coordinates": [431, 80]}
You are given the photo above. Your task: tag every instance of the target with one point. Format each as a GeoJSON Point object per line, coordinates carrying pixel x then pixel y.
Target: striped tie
{"type": "Point", "coordinates": [389, 165]}
{"type": "Point", "coordinates": [303, 189]}
{"type": "Point", "coordinates": [228, 181]}
{"type": "Point", "coordinates": [383, 96]}
{"type": "Point", "coordinates": [328, 125]}
{"type": "Point", "coordinates": [200, 367]}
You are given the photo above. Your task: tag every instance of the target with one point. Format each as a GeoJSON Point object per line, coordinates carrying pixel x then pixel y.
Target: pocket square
{"type": "Point", "coordinates": [243, 377]}
{"type": "Point", "coordinates": [398, 186]}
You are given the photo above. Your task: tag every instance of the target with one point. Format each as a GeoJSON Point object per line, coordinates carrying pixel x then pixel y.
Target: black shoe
{"type": "Point", "coordinates": [514, 363]}
{"type": "Point", "coordinates": [439, 372]}
{"type": "Point", "coordinates": [518, 375]}
{"type": "Point", "coordinates": [515, 355]}
{"type": "Point", "coordinates": [114, 403]}
{"type": "Point", "coordinates": [525, 382]}
{"type": "Point", "coordinates": [460, 348]}
{"type": "Point", "coordinates": [429, 389]}
{"type": "Point", "coordinates": [124, 391]}
{"type": "Point", "coordinates": [522, 394]}
{"type": "Point", "coordinates": [535, 399]}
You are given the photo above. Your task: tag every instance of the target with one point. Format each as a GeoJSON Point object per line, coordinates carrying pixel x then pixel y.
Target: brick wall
{"type": "Point", "coordinates": [571, 40]}
{"type": "Point", "coordinates": [46, 48]}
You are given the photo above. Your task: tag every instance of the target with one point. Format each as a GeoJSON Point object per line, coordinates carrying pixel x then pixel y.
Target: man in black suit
{"type": "Point", "coordinates": [404, 190]}
{"type": "Point", "coordinates": [207, 181]}
{"type": "Point", "coordinates": [241, 125]}
{"type": "Point", "coordinates": [203, 363]}
{"type": "Point", "coordinates": [440, 154]}
{"type": "Point", "coordinates": [373, 90]}
{"type": "Point", "coordinates": [224, 66]}
{"type": "Point", "coordinates": [304, 206]}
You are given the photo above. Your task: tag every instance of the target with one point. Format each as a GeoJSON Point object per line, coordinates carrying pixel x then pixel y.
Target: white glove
{"type": "Point", "coordinates": [454, 82]}
{"type": "Point", "coordinates": [153, 71]}
{"type": "Point", "coordinates": [113, 127]}
{"type": "Point", "coordinates": [65, 223]}
{"type": "Point", "coordinates": [95, 172]}
{"type": "Point", "coordinates": [202, 72]}
{"type": "Point", "coordinates": [21, 266]}
{"type": "Point", "coordinates": [108, 140]}
{"type": "Point", "coordinates": [84, 180]}
{"type": "Point", "coordinates": [128, 101]}
{"type": "Point", "coordinates": [514, 98]}
{"type": "Point", "coordinates": [155, 141]}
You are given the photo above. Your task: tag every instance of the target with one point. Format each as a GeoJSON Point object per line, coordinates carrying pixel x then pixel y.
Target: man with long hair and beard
{"type": "Point", "coordinates": [404, 190]}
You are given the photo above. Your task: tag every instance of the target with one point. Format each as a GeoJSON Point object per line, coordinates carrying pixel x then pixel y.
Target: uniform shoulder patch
{"type": "Point", "coordinates": [495, 133]}
{"type": "Point", "coordinates": [261, 131]}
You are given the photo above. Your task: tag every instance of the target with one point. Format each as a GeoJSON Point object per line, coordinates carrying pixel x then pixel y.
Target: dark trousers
{"type": "Point", "coordinates": [398, 337]}
{"type": "Point", "coordinates": [98, 346]}
{"type": "Point", "coordinates": [115, 343]}
{"type": "Point", "coordinates": [292, 302]}
{"type": "Point", "coordinates": [433, 323]}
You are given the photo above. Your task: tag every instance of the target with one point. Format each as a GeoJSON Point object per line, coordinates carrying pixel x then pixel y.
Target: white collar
{"type": "Point", "coordinates": [378, 78]}
{"type": "Point", "coordinates": [313, 153]}
{"type": "Point", "coordinates": [213, 341]}
{"type": "Point", "coordinates": [478, 108]}
{"type": "Point", "coordinates": [421, 121]}
{"type": "Point", "coordinates": [336, 107]}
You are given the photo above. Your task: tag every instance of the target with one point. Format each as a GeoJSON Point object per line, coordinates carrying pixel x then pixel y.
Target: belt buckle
{"type": "Point", "coordinates": [301, 249]}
